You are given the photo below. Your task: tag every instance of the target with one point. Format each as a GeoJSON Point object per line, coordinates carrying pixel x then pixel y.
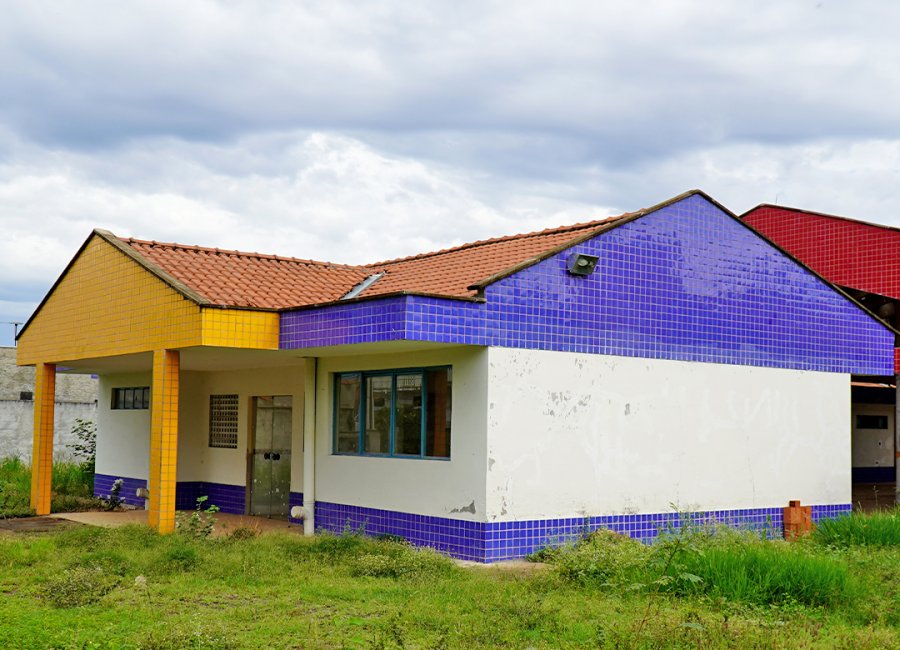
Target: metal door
{"type": "Point", "coordinates": [270, 459]}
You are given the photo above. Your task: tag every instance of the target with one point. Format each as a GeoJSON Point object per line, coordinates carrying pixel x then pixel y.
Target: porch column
{"type": "Point", "coordinates": [163, 439]}
{"type": "Point", "coordinates": [42, 450]}
{"type": "Point", "coordinates": [309, 447]}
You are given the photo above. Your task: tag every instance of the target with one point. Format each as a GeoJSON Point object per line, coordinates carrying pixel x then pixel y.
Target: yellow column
{"type": "Point", "coordinates": [42, 451]}
{"type": "Point", "coordinates": [163, 439]}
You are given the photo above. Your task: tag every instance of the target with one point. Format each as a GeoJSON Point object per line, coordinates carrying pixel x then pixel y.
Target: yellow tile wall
{"type": "Point", "coordinates": [107, 304]}
{"type": "Point", "coordinates": [163, 439]}
{"type": "Point", "coordinates": [42, 452]}
{"type": "Point", "coordinates": [239, 328]}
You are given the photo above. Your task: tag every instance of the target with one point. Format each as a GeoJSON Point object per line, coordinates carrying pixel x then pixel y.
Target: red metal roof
{"type": "Point", "coordinates": [849, 253]}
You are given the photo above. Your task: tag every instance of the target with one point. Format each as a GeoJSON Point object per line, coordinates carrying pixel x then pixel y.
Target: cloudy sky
{"type": "Point", "coordinates": [355, 132]}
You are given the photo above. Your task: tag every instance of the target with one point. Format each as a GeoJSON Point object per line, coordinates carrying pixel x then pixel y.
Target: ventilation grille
{"type": "Point", "coordinates": [223, 421]}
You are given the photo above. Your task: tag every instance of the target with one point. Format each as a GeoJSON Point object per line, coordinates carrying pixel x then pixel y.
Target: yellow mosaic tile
{"type": "Point", "coordinates": [42, 453]}
{"type": "Point", "coordinates": [106, 305]}
{"type": "Point", "coordinates": [240, 328]}
{"type": "Point", "coordinates": [163, 439]}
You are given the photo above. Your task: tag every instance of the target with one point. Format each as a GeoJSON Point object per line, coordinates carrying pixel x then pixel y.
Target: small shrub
{"type": "Point", "coordinates": [200, 523]}
{"type": "Point", "coordinates": [85, 445]}
{"type": "Point", "coordinates": [602, 558]}
{"type": "Point", "coordinates": [181, 557]}
{"type": "Point", "coordinates": [78, 587]}
{"type": "Point", "coordinates": [876, 529]}
{"type": "Point", "coordinates": [244, 532]}
{"type": "Point", "coordinates": [329, 548]}
{"type": "Point", "coordinates": [401, 562]}
{"type": "Point", "coordinates": [113, 500]}
{"type": "Point", "coordinates": [108, 561]}
{"type": "Point", "coordinates": [196, 637]}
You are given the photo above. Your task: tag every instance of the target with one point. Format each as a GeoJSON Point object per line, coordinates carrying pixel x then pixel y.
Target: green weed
{"type": "Point", "coordinates": [876, 529]}
{"type": "Point", "coordinates": [78, 587]}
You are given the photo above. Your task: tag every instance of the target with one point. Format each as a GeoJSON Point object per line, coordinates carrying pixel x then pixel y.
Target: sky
{"type": "Point", "coordinates": [356, 132]}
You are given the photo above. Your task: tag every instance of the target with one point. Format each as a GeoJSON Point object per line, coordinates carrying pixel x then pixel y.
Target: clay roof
{"type": "Point", "coordinates": [237, 279]}
{"type": "Point", "coordinates": [251, 280]}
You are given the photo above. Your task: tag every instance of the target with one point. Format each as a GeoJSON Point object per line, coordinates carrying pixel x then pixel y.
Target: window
{"type": "Point", "coordinates": [223, 421]}
{"type": "Point", "coordinates": [131, 398]}
{"type": "Point", "coordinates": [871, 422]}
{"type": "Point", "coordinates": [400, 413]}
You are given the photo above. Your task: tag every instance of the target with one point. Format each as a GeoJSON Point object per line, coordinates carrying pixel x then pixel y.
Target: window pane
{"type": "Point", "coordinates": [146, 398]}
{"type": "Point", "coordinates": [437, 428]}
{"type": "Point", "coordinates": [378, 415]}
{"type": "Point", "coordinates": [348, 414]}
{"type": "Point", "coordinates": [118, 398]}
{"type": "Point", "coordinates": [129, 398]}
{"type": "Point", "coordinates": [408, 417]}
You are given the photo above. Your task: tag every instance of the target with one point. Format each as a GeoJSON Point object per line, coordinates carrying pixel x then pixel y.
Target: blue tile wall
{"type": "Point", "coordinates": [103, 484]}
{"type": "Point", "coordinates": [495, 541]}
{"type": "Point", "coordinates": [686, 282]}
{"type": "Point", "coordinates": [229, 498]}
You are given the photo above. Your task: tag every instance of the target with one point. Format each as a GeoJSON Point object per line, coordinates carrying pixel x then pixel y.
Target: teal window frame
{"type": "Point", "coordinates": [393, 373]}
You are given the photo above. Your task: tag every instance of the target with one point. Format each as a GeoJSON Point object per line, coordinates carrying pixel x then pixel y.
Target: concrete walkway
{"type": "Point", "coordinates": [225, 523]}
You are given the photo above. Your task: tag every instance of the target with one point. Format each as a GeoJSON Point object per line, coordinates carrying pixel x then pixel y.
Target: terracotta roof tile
{"type": "Point", "coordinates": [238, 279]}
{"type": "Point", "coordinates": [452, 271]}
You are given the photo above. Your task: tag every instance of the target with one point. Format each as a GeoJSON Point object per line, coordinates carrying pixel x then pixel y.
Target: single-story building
{"type": "Point", "coordinates": [864, 260]}
{"type": "Point", "coordinates": [486, 399]}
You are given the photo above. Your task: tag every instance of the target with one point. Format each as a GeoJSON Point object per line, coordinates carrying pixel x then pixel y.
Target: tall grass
{"type": "Point", "coordinates": [876, 529]}
{"type": "Point", "coordinates": [72, 485]}
{"type": "Point", "coordinates": [714, 562]}
{"type": "Point", "coordinates": [764, 573]}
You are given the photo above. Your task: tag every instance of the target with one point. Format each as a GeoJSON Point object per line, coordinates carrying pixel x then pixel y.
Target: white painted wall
{"type": "Point", "coordinates": [574, 434]}
{"type": "Point", "coordinates": [123, 436]}
{"type": "Point", "coordinates": [196, 460]}
{"type": "Point", "coordinates": [429, 487]}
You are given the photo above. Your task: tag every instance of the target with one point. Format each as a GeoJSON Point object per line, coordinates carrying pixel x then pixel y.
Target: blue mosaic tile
{"type": "Point", "coordinates": [103, 484]}
{"type": "Point", "coordinates": [229, 498]}
{"type": "Point", "coordinates": [686, 282]}
{"type": "Point", "coordinates": [495, 541]}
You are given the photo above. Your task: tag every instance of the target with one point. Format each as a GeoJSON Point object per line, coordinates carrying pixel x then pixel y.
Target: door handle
{"type": "Point", "coordinates": [276, 456]}
{"type": "Point", "coordinates": [266, 455]}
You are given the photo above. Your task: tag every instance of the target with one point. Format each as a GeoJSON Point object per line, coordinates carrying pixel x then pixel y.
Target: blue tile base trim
{"type": "Point", "coordinates": [229, 498]}
{"type": "Point", "coordinates": [103, 484]}
{"type": "Point", "coordinates": [295, 499]}
{"type": "Point", "coordinates": [494, 541]}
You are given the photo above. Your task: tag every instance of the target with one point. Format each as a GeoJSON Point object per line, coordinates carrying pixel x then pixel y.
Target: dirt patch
{"type": "Point", "coordinates": [34, 524]}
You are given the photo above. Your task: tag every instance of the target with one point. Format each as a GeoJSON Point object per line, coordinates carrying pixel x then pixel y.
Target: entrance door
{"type": "Point", "coordinates": [270, 459]}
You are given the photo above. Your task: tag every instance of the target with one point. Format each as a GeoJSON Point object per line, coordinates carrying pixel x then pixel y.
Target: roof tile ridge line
{"type": "Point", "coordinates": [155, 269]}
{"type": "Point", "coordinates": [225, 251]}
{"type": "Point", "coordinates": [825, 215]}
{"type": "Point", "coordinates": [495, 240]}
{"type": "Point", "coordinates": [611, 224]}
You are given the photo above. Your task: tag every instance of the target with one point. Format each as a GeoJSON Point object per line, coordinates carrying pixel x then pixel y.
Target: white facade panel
{"type": "Point", "coordinates": [574, 434]}
{"type": "Point", "coordinates": [452, 488]}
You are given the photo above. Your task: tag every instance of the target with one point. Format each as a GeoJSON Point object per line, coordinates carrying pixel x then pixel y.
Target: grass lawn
{"type": "Point", "coordinates": [131, 588]}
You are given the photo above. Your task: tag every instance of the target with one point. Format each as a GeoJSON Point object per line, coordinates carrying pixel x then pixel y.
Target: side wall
{"type": "Point", "coordinates": [572, 435]}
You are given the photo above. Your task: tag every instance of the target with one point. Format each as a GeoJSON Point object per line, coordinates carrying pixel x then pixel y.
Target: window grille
{"type": "Point", "coordinates": [223, 421]}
